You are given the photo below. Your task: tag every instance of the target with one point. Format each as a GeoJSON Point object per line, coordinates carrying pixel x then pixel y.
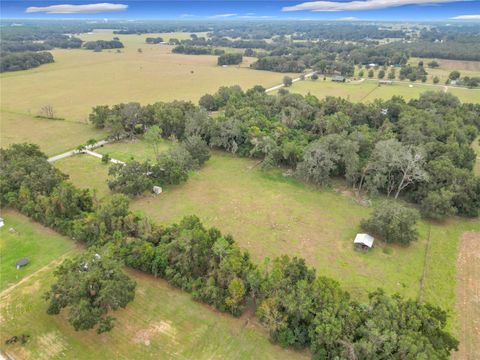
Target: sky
{"type": "Point", "coordinates": [342, 10]}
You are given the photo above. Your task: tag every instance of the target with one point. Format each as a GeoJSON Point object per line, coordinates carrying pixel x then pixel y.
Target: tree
{"type": "Point", "coordinates": [90, 285]}
{"type": "Point", "coordinates": [370, 73]}
{"type": "Point", "coordinates": [436, 80]}
{"type": "Point", "coordinates": [454, 75]}
{"type": "Point", "coordinates": [208, 102]}
{"type": "Point", "coordinates": [130, 179]}
{"type": "Point", "coordinates": [438, 204]}
{"type": "Point", "coordinates": [381, 74]}
{"type": "Point", "coordinates": [153, 136]}
{"type": "Point", "coordinates": [314, 76]}
{"type": "Point", "coordinates": [98, 116]}
{"type": "Point", "coordinates": [433, 64]}
{"type": "Point", "coordinates": [287, 81]}
{"type": "Point", "coordinates": [47, 111]}
{"type": "Point", "coordinates": [197, 148]}
{"type": "Point", "coordinates": [393, 223]}
{"type": "Point", "coordinates": [391, 74]}
{"type": "Point", "coordinates": [361, 73]}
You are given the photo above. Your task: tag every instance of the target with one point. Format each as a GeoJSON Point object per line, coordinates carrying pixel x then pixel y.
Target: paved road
{"type": "Point", "coordinates": [74, 152]}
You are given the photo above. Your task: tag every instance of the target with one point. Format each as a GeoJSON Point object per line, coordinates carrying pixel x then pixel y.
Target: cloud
{"type": "Point", "coordinates": [223, 15]}
{"type": "Point", "coordinates": [77, 9]}
{"type": "Point", "coordinates": [466, 17]}
{"type": "Point", "coordinates": [349, 18]}
{"type": "Point", "coordinates": [360, 4]}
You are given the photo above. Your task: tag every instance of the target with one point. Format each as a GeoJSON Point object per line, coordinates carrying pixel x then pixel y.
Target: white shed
{"type": "Point", "coordinates": [363, 241]}
{"type": "Point", "coordinates": [157, 190]}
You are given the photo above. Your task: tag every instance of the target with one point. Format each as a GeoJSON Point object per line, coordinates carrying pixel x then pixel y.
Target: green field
{"type": "Point", "coordinates": [138, 149]}
{"type": "Point", "coordinates": [31, 240]}
{"type": "Point", "coordinates": [161, 323]}
{"type": "Point", "coordinates": [271, 215]}
{"type": "Point", "coordinates": [80, 79]}
{"type": "Point", "coordinates": [368, 90]}
{"type": "Point", "coordinates": [53, 136]}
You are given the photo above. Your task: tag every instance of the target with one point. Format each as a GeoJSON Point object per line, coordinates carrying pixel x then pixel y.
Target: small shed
{"type": "Point", "coordinates": [157, 190]}
{"type": "Point", "coordinates": [385, 82]}
{"type": "Point", "coordinates": [21, 263]}
{"type": "Point", "coordinates": [339, 78]}
{"type": "Point", "coordinates": [2, 223]}
{"type": "Point", "coordinates": [363, 241]}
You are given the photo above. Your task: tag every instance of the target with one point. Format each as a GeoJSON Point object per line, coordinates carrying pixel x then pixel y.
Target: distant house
{"type": "Point", "coordinates": [338, 78]}
{"type": "Point", "coordinates": [385, 82]}
{"type": "Point", "coordinates": [363, 241]}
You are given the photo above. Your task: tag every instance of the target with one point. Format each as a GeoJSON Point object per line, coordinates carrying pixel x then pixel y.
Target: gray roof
{"type": "Point", "coordinates": [364, 239]}
{"type": "Point", "coordinates": [22, 262]}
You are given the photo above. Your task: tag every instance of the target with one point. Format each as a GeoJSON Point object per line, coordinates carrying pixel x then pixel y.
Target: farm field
{"type": "Point", "coordinates": [80, 79]}
{"type": "Point", "coordinates": [368, 90]}
{"type": "Point", "coordinates": [271, 215]}
{"type": "Point", "coordinates": [53, 136]}
{"type": "Point", "coordinates": [31, 240]}
{"type": "Point", "coordinates": [173, 326]}
{"type": "Point", "coordinates": [466, 68]}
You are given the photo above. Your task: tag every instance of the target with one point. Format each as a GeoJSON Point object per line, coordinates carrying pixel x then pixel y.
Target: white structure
{"type": "Point", "coordinates": [2, 223]}
{"type": "Point", "coordinates": [157, 190]}
{"type": "Point", "coordinates": [364, 241]}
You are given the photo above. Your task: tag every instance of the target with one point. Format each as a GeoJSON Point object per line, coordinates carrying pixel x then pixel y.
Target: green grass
{"type": "Point", "coordinates": [86, 172]}
{"type": "Point", "coordinates": [31, 240]}
{"type": "Point", "coordinates": [369, 90]}
{"type": "Point", "coordinates": [161, 323]}
{"type": "Point", "coordinates": [53, 136]}
{"type": "Point", "coordinates": [80, 79]}
{"type": "Point", "coordinates": [137, 149]}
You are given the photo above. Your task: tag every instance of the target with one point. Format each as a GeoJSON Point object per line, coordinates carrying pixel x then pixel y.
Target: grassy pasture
{"type": "Point", "coordinates": [369, 90]}
{"type": "Point", "coordinates": [53, 136]}
{"type": "Point", "coordinates": [31, 240]}
{"type": "Point", "coordinates": [139, 150]}
{"type": "Point", "coordinates": [80, 79]}
{"type": "Point", "coordinates": [161, 323]}
{"type": "Point", "coordinates": [271, 215]}
{"type": "Point", "coordinates": [466, 68]}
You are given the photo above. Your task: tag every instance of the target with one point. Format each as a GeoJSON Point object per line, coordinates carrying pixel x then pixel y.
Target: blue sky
{"type": "Point", "coordinates": [407, 10]}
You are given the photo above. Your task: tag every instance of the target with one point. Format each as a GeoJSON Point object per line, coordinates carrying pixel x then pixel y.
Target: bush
{"type": "Point", "coordinates": [438, 205]}
{"type": "Point", "coordinates": [230, 59]}
{"type": "Point", "coordinates": [393, 223]}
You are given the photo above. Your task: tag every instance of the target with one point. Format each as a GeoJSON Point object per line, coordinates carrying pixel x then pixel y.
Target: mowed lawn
{"type": "Point", "coordinates": [80, 79]}
{"type": "Point", "coordinates": [161, 323]}
{"type": "Point", "coordinates": [28, 239]}
{"type": "Point", "coordinates": [368, 90]}
{"type": "Point", "coordinates": [53, 136]}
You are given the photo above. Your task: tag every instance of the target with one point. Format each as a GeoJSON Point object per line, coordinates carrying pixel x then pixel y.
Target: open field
{"type": "Point", "coordinates": [161, 323]}
{"type": "Point", "coordinates": [53, 136]}
{"type": "Point", "coordinates": [31, 240]}
{"type": "Point", "coordinates": [368, 90]}
{"type": "Point", "coordinates": [466, 68]}
{"type": "Point", "coordinates": [271, 215]}
{"type": "Point", "coordinates": [80, 79]}
{"type": "Point", "coordinates": [468, 296]}
{"type": "Point", "coordinates": [138, 149]}
{"type": "Point", "coordinates": [86, 172]}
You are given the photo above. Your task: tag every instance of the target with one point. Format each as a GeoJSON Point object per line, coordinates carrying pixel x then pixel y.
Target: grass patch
{"type": "Point", "coordinates": [86, 172]}
{"type": "Point", "coordinates": [476, 147]}
{"type": "Point", "coordinates": [53, 137]}
{"type": "Point", "coordinates": [80, 79]}
{"type": "Point", "coordinates": [139, 150]}
{"type": "Point", "coordinates": [161, 323]}
{"type": "Point", "coordinates": [31, 240]}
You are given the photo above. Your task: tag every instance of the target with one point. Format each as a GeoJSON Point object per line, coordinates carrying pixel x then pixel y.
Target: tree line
{"type": "Point", "coordinates": [299, 308]}
{"type": "Point", "coordinates": [24, 60]}
{"type": "Point", "coordinates": [418, 150]}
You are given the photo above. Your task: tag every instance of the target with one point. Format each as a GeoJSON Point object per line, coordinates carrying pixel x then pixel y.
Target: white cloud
{"type": "Point", "coordinates": [360, 4]}
{"type": "Point", "coordinates": [348, 18]}
{"type": "Point", "coordinates": [466, 17]}
{"type": "Point", "coordinates": [223, 15]}
{"type": "Point", "coordinates": [77, 9]}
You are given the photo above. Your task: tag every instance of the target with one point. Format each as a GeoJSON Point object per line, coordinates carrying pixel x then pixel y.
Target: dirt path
{"type": "Point", "coordinates": [468, 297]}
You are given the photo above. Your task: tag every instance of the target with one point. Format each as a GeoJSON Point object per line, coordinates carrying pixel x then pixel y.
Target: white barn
{"type": "Point", "coordinates": [363, 241]}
